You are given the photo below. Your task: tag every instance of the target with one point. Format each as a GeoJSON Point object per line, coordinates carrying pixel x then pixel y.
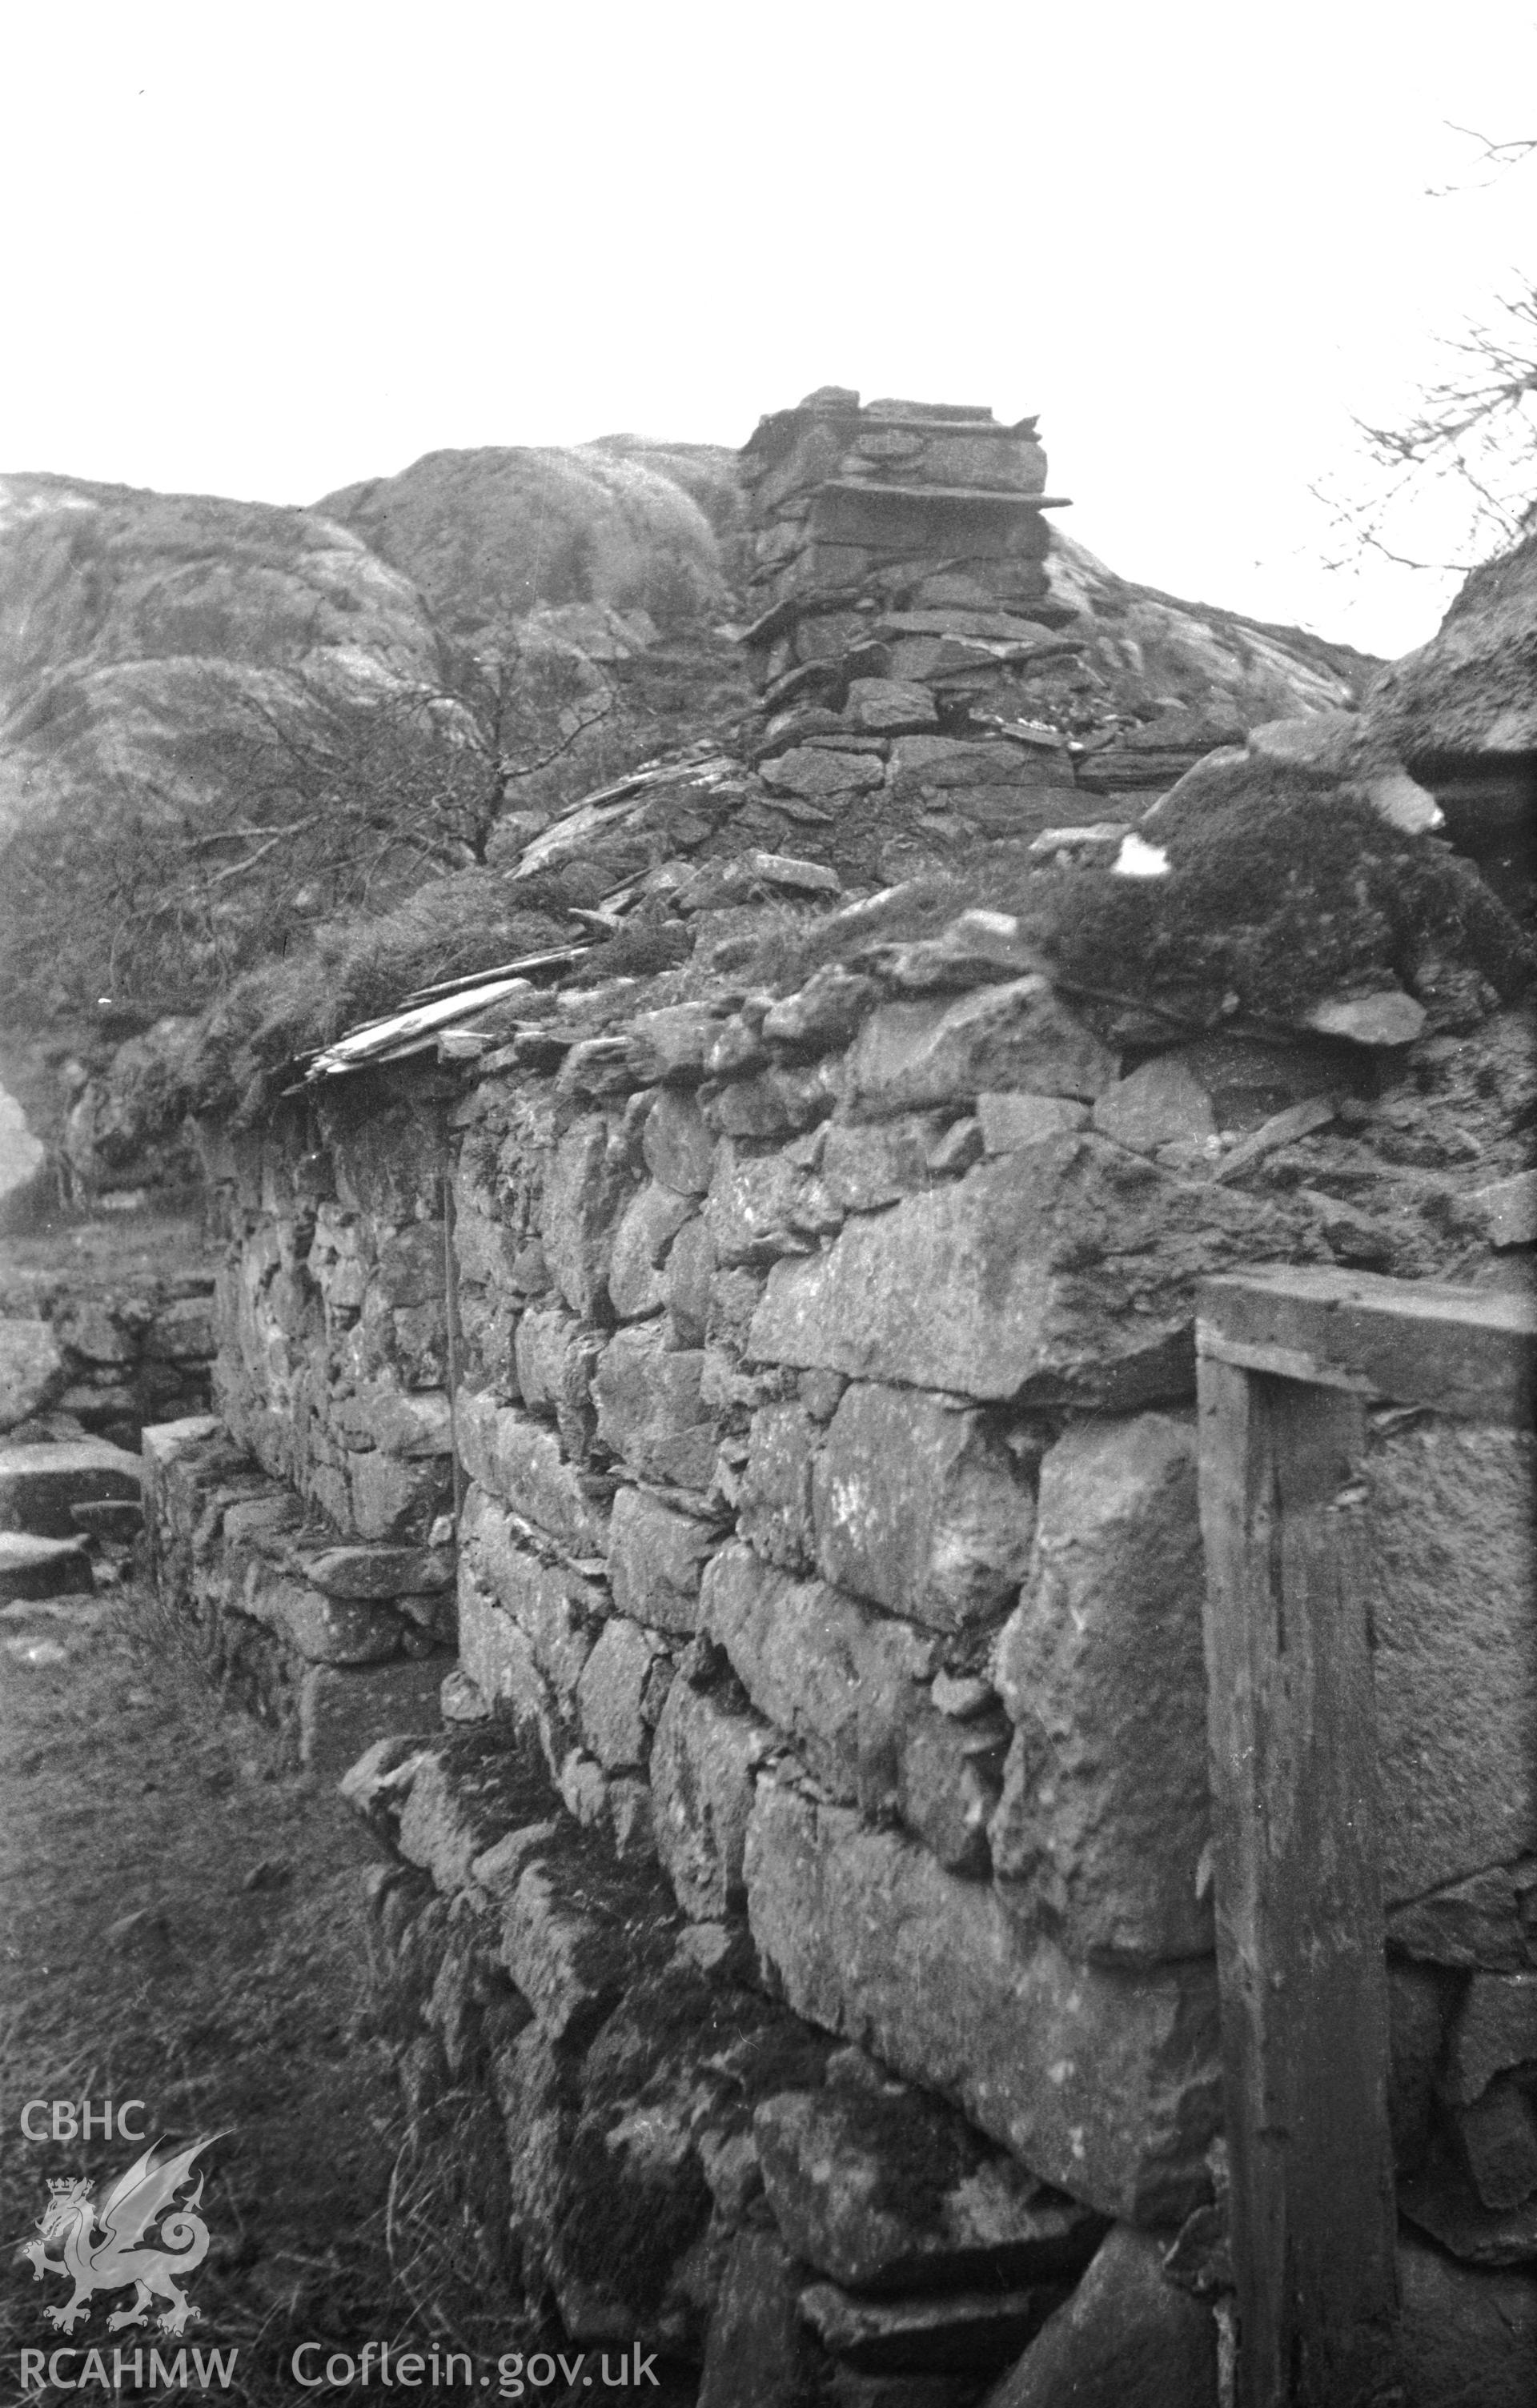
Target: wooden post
{"type": "Point", "coordinates": [1288, 1360]}
{"type": "Point", "coordinates": [1288, 1364]}
{"type": "Point", "coordinates": [1299, 1923]}
{"type": "Point", "coordinates": [450, 1325]}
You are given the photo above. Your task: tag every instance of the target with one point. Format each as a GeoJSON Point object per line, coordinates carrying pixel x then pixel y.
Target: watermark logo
{"type": "Point", "coordinates": [71, 2120]}
{"type": "Point", "coordinates": [102, 2247]}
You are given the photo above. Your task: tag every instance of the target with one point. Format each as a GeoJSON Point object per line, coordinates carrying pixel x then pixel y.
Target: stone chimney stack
{"type": "Point", "coordinates": [902, 542]}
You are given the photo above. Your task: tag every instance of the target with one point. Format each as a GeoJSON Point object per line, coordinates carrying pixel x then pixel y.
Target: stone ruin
{"type": "Point", "coordinates": [712, 1466]}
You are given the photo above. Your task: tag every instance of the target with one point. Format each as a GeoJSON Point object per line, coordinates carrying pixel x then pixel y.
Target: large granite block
{"type": "Point", "coordinates": [842, 1682]}
{"type": "Point", "coordinates": [921, 1508]}
{"type": "Point", "coordinates": [1105, 2083]}
{"type": "Point", "coordinates": [1454, 1605]}
{"type": "Point", "coordinates": [1106, 1810]}
{"type": "Point", "coordinates": [1064, 1272]}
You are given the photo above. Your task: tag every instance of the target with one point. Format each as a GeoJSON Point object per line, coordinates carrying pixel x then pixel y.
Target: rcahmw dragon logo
{"type": "Point", "coordinates": [145, 2193]}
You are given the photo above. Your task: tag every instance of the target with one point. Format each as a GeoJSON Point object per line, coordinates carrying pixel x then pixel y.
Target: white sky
{"type": "Point", "coordinates": [265, 250]}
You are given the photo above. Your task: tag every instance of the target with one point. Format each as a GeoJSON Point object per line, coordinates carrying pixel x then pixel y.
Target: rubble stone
{"type": "Point", "coordinates": [518, 1460]}
{"type": "Point", "coordinates": [647, 1228]}
{"type": "Point", "coordinates": [552, 1355]}
{"type": "Point", "coordinates": [650, 1411]}
{"type": "Point", "coordinates": [1125, 2336]}
{"type": "Point", "coordinates": [465, 1795]}
{"type": "Point", "coordinates": [583, 1195]}
{"type": "Point", "coordinates": [686, 1277]}
{"type": "Point", "coordinates": [497, 1656]}
{"type": "Point", "coordinates": [752, 1206]}
{"type": "Point", "coordinates": [945, 761]}
{"type": "Point", "coordinates": [569, 1962]}
{"type": "Point", "coordinates": [774, 1495]}
{"type": "Point", "coordinates": [1477, 1922]}
{"type": "Point", "coordinates": [556, 1608]}
{"type": "Point", "coordinates": [978, 2329]}
{"type": "Point", "coordinates": [418, 1421]}
{"type": "Point", "coordinates": [824, 1013]}
{"type": "Point", "coordinates": [1440, 2198]}
{"type": "Point", "coordinates": [344, 1707]}
{"type": "Point", "coordinates": [538, 2097]}
{"type": "Point", "coordinates": [1388, 1017]}
{"type": "Point", "coordinates": [886, 706]}
{"type": "Point", "coordinates": [939, 1051]}
{"type": "Point", "coordinates": [1418, 2004]}
{"type": "Point", "coordinates": [671, 1043]}
{"type": "Point", "coordinates": [818, 775]}
{"type": "Point", "coordinates": [1160, 1104]}
{"type": "Point", "coordinates": [1507, 1210]}
{"type": "Point", "coordinates": [704, 1760]}
{"type": "Point", "coordinates": [1011, 1121]}
{"type": "Point", "coordinates": [611, 1694]}
{"type": "Point", "coordinates": [380, 1571]}
{"type": "Point", "coordinates": [1495, 2028]}
{"type": "Point", "coordinates": [948, 1783]}
{"type": "Point", "coordinates": [864, 1167]}
{"type": "Point", "coordinates": [676, 1144]}
{"type": "Point", "coordinates": [393, 1497]}
{"type": "Point", "coordinates": [86, 1325]}
{"type": "Point", "coordinates": [889, 2191]}
{"type": "Point", "coordinates": [324, 1630]}
{"type": "Point", "coordinates": [656, 1559]}
{"type": "Point", "coordinates": [31, 1370]}
{"type": "Point", "coordinates": [1498, 2136]}
{"type": "Point", "coordinates": [755, 2356]}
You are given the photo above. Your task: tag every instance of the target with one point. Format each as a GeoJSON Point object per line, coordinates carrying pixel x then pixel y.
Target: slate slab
{"type": "Point", "coordinates": [38, 1485]}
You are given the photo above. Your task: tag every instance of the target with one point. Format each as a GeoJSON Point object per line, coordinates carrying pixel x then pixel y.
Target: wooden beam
{"type": "Point", "coordinates": [1462, 1351]}
{"type": "Point", "coordinates": [1299, 1924]}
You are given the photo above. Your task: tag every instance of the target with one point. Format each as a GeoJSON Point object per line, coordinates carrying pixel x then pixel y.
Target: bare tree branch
{"type": "Point", "coordinates": [1465, 455]}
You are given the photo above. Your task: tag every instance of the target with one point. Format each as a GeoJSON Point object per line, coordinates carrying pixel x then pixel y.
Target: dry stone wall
{"type": "Point", "coordinates": [826, 1591]}
{"type": "Point", "coordinates": [307, 1525]}
{"type": "Point", "coordinates": [782, 1404]}
{"type": "Point", "coordinates": [100, 1356]}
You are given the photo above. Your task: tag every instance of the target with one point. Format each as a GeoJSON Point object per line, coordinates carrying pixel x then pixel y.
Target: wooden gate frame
{"type": "Point", "coordinates": [1288, 1361]}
